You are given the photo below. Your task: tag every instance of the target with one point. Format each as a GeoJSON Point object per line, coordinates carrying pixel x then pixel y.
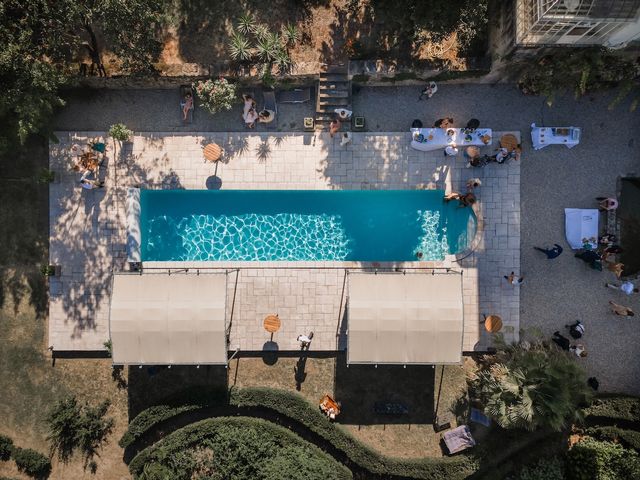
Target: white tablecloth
{"type": "Point", "coordinates": [544, 136]}
{"type": "Point", "coordinates": [440, 139]}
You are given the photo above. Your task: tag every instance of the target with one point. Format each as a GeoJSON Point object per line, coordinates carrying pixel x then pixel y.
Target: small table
{"type": "Point", "coordinates": [272, 323]}
{"type": "Point", "coordinates": [509, 141]}
{"type": "Point", "coordinates": [212, 152]}
{"type": "Point", "coordinates": [493, 323]}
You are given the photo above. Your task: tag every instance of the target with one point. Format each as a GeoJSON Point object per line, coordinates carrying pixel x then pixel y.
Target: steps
{"type": "Point", "coordinates": [334, 91]}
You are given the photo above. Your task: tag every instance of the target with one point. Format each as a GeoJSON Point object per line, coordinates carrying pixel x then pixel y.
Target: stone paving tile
{"type": "Point", "coordinates": [88, 232]}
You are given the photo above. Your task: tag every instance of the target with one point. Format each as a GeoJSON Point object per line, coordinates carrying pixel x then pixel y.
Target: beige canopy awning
{"type": "Point", "coordinates": [166, 319]}
{"type": "Point", "coordinates": [395, 318]}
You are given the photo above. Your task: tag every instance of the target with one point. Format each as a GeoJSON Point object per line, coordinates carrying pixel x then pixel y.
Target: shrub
{"type": "Point", "coordinates": [618, 407]}
{"type": "Point", "coordinates": [592, 459]}
{"type": "Point", "coordinates": [6, 447]}
{"type": "Point", "coordinates": [216, 95]}
{"type": "Point", "coordinates": [235, 448]}
{"type": "Point", "coordinates": [74, 426]}
{"type": "Point", "coordinates": [629, 438]}
{"type": "Point", "coordinates": [545, 469]}
{"type": "Point", "coordinates": [295, 407]}
{"type": "Point", "coordinates": [31, 462]}
{"type": "Point", "coordinates": [120, 132]}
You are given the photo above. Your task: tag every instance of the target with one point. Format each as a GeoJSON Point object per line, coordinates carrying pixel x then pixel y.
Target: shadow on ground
{"type": "Point", "coordinates": [359, 387]}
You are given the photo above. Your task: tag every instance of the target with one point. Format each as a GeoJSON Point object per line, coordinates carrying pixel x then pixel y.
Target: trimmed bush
{"type": "Point", "coordinates": [237, 447]}
{"type": "Point", "coordinates": [6, 447]}
{"type": "Point", "coordinates": [618, 407]}
{"type": "Point", "coordinates": [545, 469]}
{"type": "Point", "coordinates": [629, 438]}
{"type": "Point", "coordinates": [32, 463]}
{"type": "Point", "coordinates": [591, 459]}
{"type": "Point", "coordinates": [295, 407]}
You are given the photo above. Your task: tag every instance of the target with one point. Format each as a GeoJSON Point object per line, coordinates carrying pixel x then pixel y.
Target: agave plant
{"type": "Point", "coordinates": [239, 47]}
{"type": "Point", "coordinates": [266, 49]}
{"type": "Point", "coordinates": [246, 23]}
{"type": "Point", "coordinates": [261, 31]}
{"type": "Point", "coordinates": [283, 60]}
{"type": "Point", "coordinates": [291, 34]}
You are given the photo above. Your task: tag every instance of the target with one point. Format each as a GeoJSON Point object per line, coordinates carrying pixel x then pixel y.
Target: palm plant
{"type": "Point", "coordinates": [291, 34]}
{"type": "Point", "coordinates": [240, 47]}
{"type": "Point", "coordinates": [246, 23]}
{"type": "Point", "coordinates": [532, 386]}
{"type": "Point", "coordinates": [283, 61]}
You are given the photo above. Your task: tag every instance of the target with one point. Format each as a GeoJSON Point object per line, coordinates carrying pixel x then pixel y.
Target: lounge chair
{"type": "Point", "coordinates": [270, 101]}
{"type": "Point", "coordinates": [299, 95]}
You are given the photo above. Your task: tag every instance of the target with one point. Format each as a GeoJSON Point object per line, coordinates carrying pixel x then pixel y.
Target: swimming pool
{"type": "Point", "coordinates": [301, 225]}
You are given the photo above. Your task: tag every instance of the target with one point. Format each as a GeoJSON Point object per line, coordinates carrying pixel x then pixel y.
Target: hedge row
{"type": "Point", "coordinates": [28, 461]}
{"type": "Point", "coordinates": [297, 408]}
{"type": "Point", "coordinates": [196, 433]}
{"type": "Point", "coordinates": [629, 438]}
{"type": "Point", "coordinates": [618, 407]}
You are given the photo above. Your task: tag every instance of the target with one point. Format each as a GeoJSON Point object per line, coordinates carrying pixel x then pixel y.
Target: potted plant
{"type": "Point", "coordinates": [216, 95]}
{"type": "Point", "coordinates": [119, 133]}
{"type": "Point", "coordinates": [51, 270]}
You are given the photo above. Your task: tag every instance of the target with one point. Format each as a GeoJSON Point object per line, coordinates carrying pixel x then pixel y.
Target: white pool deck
{"type": "Point", "coordinates": [87, 229]}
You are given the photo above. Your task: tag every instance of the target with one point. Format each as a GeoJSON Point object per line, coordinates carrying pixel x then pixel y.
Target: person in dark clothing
{"type": "Point", "coordinates": [593, 383]}
{"type": "Point", "coordinates": [576, 330]}
{"type": "Point", "coordinates": [592, 258]}
{"type": "Point", "coordinates": [562, 341]}
{"type": "Point", "coordinates": [551, 253]}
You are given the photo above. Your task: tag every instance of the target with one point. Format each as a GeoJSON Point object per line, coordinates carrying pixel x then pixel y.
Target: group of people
{"type": "Point", "coordinates": [88, 160]}
{"type": "Point", "coordinates": [576, 331]}
{"type": "Point", "coordinates": [250, 114]}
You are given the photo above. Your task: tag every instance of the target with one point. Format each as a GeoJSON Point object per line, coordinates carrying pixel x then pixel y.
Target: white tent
{"type": "Point", "coordinates": [168, 319]}
{"type": "Point", "coordinates": [395, 318]}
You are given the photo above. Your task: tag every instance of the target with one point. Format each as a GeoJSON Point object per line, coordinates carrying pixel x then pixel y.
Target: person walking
{"type": "Point", "coordinates": [576, 330]}
{"type": "Point", "coordinates": [305, 341]}
{"type": "Point", "coordinates": [626, 287]}
{"type": "Point", "coordinates": [560, 340]}
{"type": "Point", "coordinates": [621, 310]}
{"type": "Point", "coordinates": [514, 279]}
{"type": "Point", "coordinates": [551, 253]}
{"type": "Point", "coordinates": [616, 268]}
{"type": "Point", "coordinates": [473, 183]}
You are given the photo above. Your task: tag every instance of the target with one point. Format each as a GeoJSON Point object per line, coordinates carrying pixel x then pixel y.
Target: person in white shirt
{"type": "Point", "coordinates": [305, 340]}
{"type": "Point", "coordinates": [578, 350]}
{"type": "Point", "coordinates": [450, 151]}
{"type": "Point", "coordinates": [626, 287]}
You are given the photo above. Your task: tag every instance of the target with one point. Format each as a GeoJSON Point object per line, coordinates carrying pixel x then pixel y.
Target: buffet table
{"type": "Point", "coordinates": [429, 139]}
{"type": "Point", "coordinates": [544, 136]}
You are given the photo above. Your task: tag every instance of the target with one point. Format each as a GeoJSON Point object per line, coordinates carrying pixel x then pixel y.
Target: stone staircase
{"type": "Point", "coordinates": [334, 91]}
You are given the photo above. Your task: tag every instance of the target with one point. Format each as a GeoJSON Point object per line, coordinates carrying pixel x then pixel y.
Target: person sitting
{"type": "Point", "coordinates": [502, 155]}
{"type": "Point", "coordinates": [334, 126]}
{"type": "Point", "coordinates": [186, 104]}
{"type": "Point", "coordinates": [343, 113]}
{"type": "Point", "coordinates": [250, 118]}
{"type": "Point", "coordinates": [591, 257]}
{"type": "Point", "coordinates": [560, 340]}
{"type": "Point", "coordinates": [576, 330]}
{"type": "Point", "coordinates": [578, 350]}
{"type": "Point", "coordinates": [465, 200]}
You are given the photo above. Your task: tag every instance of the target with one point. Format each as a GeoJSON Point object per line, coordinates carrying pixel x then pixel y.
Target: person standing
{"type": "Point", "coordinates": [626, 287]}
{"type": "Point", "coordinates": [551, 253]}
{"type": "Point", "coordinates": [514, 279]}
{"type": "Point", "coordinates": [616, 268]}
{"type": "Point", "coordinates": [473, 183]}
{"type": "Point", "coordinates": [305, 341]}
{"type": "Point", "coordinates": [450, 151]}
{"type": "Point", "coordinates": [334, 127]}
{"type": "Point", "coordinates": [621, 310]}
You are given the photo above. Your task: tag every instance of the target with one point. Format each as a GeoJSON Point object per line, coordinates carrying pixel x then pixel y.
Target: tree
{"type": "Point", "coordinates": [531, 385]}
{"type": "Point", "coordinates": [72, 426]}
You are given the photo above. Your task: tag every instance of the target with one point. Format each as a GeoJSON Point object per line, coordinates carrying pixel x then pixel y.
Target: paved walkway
{"type": "Point", "coordinates": [88, 230]}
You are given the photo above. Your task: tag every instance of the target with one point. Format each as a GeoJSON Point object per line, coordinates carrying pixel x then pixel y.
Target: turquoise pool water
{"type": "Point", "coordinates": [297, 225]}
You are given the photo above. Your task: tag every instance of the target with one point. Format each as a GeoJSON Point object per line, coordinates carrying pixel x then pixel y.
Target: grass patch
{"type": "Point", "coordinates": [360, 78]}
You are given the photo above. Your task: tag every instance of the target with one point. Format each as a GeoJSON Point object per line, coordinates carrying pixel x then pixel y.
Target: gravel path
{"type": "Point", "coordinates": [555, 292]}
